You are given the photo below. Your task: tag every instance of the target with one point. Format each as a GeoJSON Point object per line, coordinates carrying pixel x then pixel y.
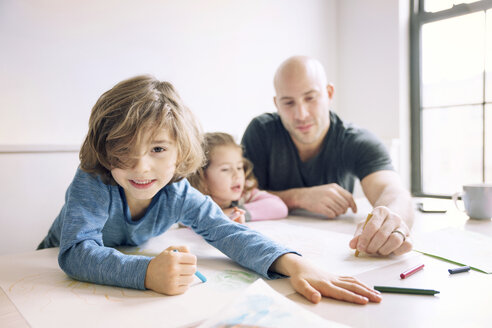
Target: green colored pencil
{"type": "Point", "coordinates": [401, 290]}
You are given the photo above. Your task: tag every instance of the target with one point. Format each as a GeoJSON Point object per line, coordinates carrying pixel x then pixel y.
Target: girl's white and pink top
{"type": "Point", "coordinates": [262, 205]}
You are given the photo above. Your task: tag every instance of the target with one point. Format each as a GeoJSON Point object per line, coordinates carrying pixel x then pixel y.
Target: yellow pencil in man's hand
{"type": "Point", "coordinates": [369, 216]}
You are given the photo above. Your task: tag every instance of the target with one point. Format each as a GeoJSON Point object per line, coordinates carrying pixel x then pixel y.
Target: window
{"type": "Point", "coordinates": [451, 71]}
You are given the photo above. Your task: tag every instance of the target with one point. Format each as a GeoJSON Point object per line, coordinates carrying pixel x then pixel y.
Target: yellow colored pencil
{"type": "Point", "coordinates": [369, 216]}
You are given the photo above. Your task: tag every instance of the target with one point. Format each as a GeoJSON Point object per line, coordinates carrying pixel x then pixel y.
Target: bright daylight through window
{"type": "Point", "coordinates": [451, 95]}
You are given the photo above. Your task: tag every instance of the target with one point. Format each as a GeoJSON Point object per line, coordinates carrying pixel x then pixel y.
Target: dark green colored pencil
{"type": "Point", "coordinates": [401, 290]}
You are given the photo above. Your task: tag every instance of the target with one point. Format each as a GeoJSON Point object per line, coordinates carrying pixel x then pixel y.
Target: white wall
{"type": "Point", "coordinates": [58, 57]}
{"type": "Point", "coordinates": [31, 195]}
{"type": "Point", "coordinates": [373, 72]}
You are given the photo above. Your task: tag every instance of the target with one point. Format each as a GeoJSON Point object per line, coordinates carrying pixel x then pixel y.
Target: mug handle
{"type": "Point", "coordinates": [455, 200]}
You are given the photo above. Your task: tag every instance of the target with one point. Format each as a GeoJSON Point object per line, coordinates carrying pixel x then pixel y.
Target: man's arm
{"type": "Point", "coordinates": [329, 199]}
{"type": "Point", "coordinates": [388, 231]}
{"type": "Point", "coordinates": [384, 188]}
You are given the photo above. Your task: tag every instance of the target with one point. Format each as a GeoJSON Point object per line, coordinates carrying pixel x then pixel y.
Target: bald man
{"type": "Point", "coordinates": [310, 158]}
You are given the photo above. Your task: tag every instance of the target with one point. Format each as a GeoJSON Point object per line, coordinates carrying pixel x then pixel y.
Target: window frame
{"type": "Point", "coordinates": [419, 17]}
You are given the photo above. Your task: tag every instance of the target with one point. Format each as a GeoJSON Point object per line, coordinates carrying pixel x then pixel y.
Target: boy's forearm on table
{"type": "Point", "coordinates": [285, 264]}
{"type": "Point", "coordinates": [106, 266]}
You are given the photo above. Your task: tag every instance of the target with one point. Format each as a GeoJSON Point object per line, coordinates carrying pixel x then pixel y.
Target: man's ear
{"type": "Point", "coordinates": [275, 101]}
{"type": "Point", "coordinates": [331, 90]}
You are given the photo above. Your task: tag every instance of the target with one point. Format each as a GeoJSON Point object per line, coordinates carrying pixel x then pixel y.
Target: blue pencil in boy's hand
{"type": "Point", "coordinates": [197, 273]}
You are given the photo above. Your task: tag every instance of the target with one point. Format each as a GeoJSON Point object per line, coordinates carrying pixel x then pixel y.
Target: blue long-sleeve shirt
{"type": "Point", "coordinates": [95, 218]}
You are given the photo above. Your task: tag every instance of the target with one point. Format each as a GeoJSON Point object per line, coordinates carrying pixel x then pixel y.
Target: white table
{"type": "Point", "coordinates": [465, 299]}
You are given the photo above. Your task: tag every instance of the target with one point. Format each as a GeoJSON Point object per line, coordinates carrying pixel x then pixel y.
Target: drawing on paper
{"type": "Point", "coordinates": [47, 284]}
{"type": "Point", "coordinates": [233, 279]}
{"type": "Point", "coordinates": [260, 306]}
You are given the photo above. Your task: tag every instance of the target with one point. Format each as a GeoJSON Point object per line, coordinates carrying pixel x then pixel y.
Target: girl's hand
{"type": "Point", "coordinates": [171, 272]}
{"type": "Point", "coordinates": [235, 214]}
{"type": "Point", "coordinates": [313, 283]}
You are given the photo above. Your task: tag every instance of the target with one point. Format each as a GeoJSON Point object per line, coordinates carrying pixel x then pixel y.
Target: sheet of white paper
{"type": "Point", "coordinates": [329, 250]}
{"type": "Point", "coordinates": [448, 244]}
{"type": "Point", "coordinates": [44, 295]}
{"type": "Point", "coordinates": [260, 306]}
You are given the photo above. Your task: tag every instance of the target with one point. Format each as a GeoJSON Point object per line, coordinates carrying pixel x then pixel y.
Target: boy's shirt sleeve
{"type": "Point", "coordinates": [247, 247]}
{"type": "Point", "coordinates": [83, 255]}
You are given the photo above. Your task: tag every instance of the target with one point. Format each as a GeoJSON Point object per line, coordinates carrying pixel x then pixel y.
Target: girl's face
{"type": "Point", "coordinates": [224, 176]}
{"type": "Point", "coordinates": [154, 169]}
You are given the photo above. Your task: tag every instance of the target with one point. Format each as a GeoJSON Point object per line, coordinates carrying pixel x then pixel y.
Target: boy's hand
{"type": "Point", "coordinates": [171, 272]}
{"type": "Point", "coordinates": [313, 283]}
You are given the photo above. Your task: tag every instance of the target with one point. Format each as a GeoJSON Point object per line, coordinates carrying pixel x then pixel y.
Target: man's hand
{"type": "Point", "coordinates": [330, 200]}
{"type": "Point", "coordinates": [385, 233]}
{"type": "Point", "coordinates": [313, 283]}
{"type": "Point", "coordinates": [171, 272]}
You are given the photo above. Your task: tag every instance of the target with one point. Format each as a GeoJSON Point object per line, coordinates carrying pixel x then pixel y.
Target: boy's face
{"type": "Point", "coordinates": [224, 176]}
{"type": "Point", "coordinates": [156, 163]}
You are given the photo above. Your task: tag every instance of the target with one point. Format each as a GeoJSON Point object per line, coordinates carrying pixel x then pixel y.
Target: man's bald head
{"type": "Point", "coordinates": [302, 98]}
{"type": "Point", "coordinates": [299, 67]}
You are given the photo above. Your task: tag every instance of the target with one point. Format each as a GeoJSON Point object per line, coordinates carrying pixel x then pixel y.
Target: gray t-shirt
{"type": "Point", "coordinates": [347, 152]}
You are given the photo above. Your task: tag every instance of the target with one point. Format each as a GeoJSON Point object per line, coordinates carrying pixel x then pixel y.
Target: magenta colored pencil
{"type": "Point", "coordinates": [411, 271]}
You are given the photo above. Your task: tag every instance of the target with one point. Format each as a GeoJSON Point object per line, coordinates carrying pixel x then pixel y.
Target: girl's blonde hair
{"type": "Point", "coordinates": [211, 140]}
{"type": "Point", "coordinates": [125, 113]}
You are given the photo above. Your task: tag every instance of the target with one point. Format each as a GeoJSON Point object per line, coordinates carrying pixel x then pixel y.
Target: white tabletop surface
{"type": "Point", "coordinates": [465, 299]}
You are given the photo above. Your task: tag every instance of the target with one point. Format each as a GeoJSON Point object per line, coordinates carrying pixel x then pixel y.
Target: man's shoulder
{"type": "Point", "coordinates": [346, 129]}
{"type": "Point", "coordinates": [357, 141]}
{"type": "Point", "coordinates": [266, 119]}
{"type": "Point", "coordinates": [340, 124]}
{"type": "Point", "coordinates": [264, 125]}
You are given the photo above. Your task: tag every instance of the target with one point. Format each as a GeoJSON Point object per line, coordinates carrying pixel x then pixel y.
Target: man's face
{"type": "Point", "coordinates": [303, 105]}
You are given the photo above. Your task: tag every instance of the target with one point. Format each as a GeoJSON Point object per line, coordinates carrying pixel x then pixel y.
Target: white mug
{"type": "Point", "coordinates": [477, 199]}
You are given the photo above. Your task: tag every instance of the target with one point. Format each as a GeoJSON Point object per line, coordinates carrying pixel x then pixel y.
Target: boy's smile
{"type": "Point", "coordinates": [142, 184]}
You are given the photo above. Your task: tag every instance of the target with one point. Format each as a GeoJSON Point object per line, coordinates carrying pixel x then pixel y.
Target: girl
{"type": "Point", "coordinates": [130, 186]}
{"type": "Point", "coordinates": [228, 178]}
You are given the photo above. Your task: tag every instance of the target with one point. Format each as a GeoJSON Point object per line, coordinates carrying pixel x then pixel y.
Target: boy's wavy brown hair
{"type": "Point", "coordinates": [123, 115]}
{"type": "Point", "coordinates": [211, 140]}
